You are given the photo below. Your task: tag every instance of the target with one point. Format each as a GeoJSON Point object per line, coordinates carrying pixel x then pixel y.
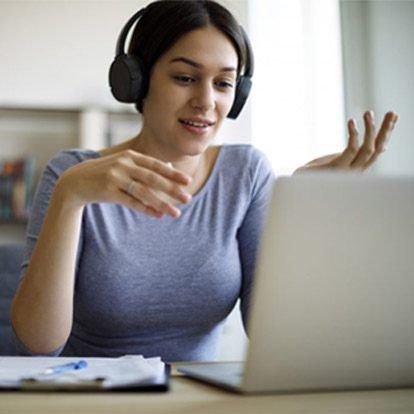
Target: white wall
{"type": "Point", "coordinates": [297, 99]}
{"type": "Point", "coordinates": [379, 72]}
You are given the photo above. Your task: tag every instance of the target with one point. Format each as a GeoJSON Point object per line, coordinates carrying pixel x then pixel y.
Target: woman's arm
{"type": "Point", "coordinates": [42, 310]}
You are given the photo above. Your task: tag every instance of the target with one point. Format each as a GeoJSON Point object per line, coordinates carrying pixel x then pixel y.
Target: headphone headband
{"type": "Point", "coordinates": [129, 79]}
{"type": "Point", "coordinates": [120, 44]}
{"type": "Point", "coordinates": [249, 67]}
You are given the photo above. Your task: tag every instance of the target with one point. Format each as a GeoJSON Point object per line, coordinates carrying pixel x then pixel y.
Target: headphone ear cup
{"type": "Point", "coordinates": [243, 87]}
{"type": "Point", "coordinates": [128, 79]}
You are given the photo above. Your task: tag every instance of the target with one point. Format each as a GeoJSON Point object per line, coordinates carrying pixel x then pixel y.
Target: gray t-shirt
{"type": "Point", "coordinates": [162, 287]}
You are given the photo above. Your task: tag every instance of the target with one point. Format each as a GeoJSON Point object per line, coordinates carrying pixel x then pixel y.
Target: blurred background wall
{"type": "Point", "coordinates": [354, 55]}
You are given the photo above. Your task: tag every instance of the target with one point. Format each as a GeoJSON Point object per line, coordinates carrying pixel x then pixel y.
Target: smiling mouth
{"type": "Point", "coordinates": [195, 124]}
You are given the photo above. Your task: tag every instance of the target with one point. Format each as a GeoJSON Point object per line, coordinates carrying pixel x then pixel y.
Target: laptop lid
{"type": "Point", "coordinates": [333, 299]}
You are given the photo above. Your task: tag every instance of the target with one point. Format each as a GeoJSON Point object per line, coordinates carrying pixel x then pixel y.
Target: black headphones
{"type": "Point", "coordinates": [128, 77]}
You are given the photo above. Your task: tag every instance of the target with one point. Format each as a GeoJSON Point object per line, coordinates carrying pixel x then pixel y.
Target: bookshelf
{"type": "Point", "coordinates": [40, 133]}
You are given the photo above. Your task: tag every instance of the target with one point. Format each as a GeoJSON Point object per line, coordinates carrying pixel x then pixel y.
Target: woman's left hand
{"type": "Point", "coordinates": [356, 157]}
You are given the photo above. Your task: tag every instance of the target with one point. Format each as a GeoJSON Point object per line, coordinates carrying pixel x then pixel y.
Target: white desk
{"type": "Point", "coordinates": [188, 396]}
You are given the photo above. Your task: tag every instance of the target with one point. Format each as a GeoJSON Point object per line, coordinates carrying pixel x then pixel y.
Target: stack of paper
{"type": "Point", "coordinates": [129, 371]}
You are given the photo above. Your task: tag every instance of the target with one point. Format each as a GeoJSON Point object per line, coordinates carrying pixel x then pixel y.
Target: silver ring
{"type": "Point", "coordinates": [131, 187]}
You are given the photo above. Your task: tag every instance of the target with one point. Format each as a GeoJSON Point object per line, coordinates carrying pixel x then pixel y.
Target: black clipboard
{"type": "Point", "coordinates": [159, 384]}
{"type": "Point", "coordinates": [21, 379]}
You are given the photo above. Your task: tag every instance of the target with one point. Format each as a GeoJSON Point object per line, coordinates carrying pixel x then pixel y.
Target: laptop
{"type": "Point", "coordinates": [333, 299]}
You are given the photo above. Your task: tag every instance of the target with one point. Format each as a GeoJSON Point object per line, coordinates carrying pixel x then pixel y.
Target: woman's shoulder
{"type": "Point", "coordinates": [67, 158]}
{"type": "Point", "coordinates": [245, 155]}
{"type": "Point", "coordinates": [242, 151]}
{"type": "Point", "coordinates": [244, 171]}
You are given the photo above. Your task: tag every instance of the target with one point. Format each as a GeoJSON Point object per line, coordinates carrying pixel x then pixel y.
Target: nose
{"type": "Point", "coordinates": [204, 97]}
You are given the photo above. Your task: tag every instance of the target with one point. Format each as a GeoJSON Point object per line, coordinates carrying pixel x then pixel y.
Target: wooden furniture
{"type": "Point", "coordinates": [189, 396]}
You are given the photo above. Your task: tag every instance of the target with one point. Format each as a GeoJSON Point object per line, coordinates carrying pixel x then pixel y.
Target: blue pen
{"type": "Point", "coordinates": [66, 367]}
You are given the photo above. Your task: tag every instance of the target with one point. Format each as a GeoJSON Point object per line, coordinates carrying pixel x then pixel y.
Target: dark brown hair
{"type": "Point", "coordinates": [164, 22]}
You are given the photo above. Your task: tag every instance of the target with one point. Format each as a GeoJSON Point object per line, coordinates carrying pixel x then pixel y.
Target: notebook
{"type": "Point", "coordinates": [333, 299]}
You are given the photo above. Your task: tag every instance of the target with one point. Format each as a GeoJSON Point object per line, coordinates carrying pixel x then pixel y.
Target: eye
{"type": "Point", "coordinates": [184, 79]}
{"type": "Point", "coordinates": [224, 84]}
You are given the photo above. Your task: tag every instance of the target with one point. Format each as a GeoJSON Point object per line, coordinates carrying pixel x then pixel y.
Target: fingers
{"type": "Point", "coordinates": [385, 131]}
{"type": "Point", "coordinates": [362, 157]}
{"type": "Point", "coordinates": [137, 205]}
{"type": "Point", "coordinates": [345, 159]}
{"type": "Point", "coordinates": [383, 137]}
{"type": "Point", "coordinates": [355, 156]}
{"type": "Point", "coordinates": [159, 167]}
{"type": "Point", "coordinates": [157, 182]}
{"type": "Point", "coordinates": [367, 149]}
{"type": "Point", "coordinates": [156, 185]}
{"type": "Point", "coordinates": [147, 198]}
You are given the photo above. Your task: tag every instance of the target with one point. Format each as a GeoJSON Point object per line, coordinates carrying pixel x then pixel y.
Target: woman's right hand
{"type": "Point", "coordinates": [157, 186]}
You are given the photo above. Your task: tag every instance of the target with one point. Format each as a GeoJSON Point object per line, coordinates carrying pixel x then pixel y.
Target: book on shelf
{"type": "Point", "coordinates": [16, 187]}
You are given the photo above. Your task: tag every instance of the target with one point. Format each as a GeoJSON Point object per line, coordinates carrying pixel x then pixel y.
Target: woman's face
{"type": "Point", "coordinates": [191, 91]}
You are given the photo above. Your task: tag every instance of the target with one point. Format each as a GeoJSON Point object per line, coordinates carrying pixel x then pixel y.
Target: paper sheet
{"type": "Point", "coordinates": [110, 372]}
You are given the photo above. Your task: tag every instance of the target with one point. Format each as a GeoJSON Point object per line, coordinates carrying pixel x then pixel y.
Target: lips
{"type": "Point", "coordinates": [197, 122]}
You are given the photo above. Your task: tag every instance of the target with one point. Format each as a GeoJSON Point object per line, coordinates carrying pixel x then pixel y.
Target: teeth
{"type": "Point", "coordinates": [195, 124]}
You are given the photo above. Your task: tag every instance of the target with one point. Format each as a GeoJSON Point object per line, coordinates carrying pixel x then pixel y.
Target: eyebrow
{"type": "Point", "coordinates": [199, 66]}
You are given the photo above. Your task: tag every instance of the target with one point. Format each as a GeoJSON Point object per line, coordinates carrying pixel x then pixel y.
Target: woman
{"type": "Point", "coordinates": [103, 275]}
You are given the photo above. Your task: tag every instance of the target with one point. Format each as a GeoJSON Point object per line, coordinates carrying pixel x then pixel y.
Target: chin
{"type": "Point", "coordinates": [195, 150]}
{"type": "Point", "coordinates": [195, 147]}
